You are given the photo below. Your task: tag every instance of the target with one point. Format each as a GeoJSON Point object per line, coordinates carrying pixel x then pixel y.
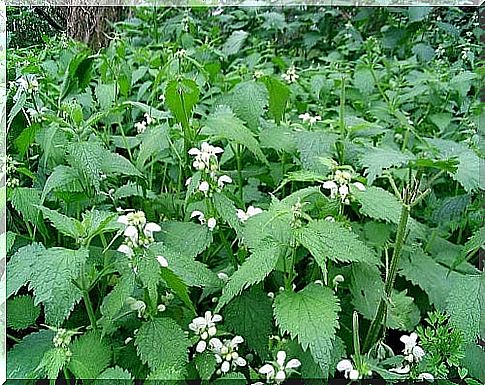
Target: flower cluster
{"type": "Point", "coordinates": [211, 222]}
{"type": "Point", "coordinates": [340, 185]}
{"type": "Point", "coordinates": [307, 118]}
{"type": "Point", "coordinates": [138, 233]}
{"type": "Point", "coordinates": [351, 372]}
{"type": "Point", "coordinates": [245, 215]}
{"type": "Point", "coordinates": [277, 371]}
{"type": "Point", "coordinates": [142, 126]}
{"type": "Point", "coordinates": [226, 353]}
{"type": "Point", "coordinates": [10, 166]}
{"type": "Point", "coordinates": [205, 328]}
{"type": "Point", "coordinates": [290, 76]}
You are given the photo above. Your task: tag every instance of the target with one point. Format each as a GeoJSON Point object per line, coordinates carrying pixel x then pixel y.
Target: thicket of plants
{"type": "Point", "coordinates": [249, 194]}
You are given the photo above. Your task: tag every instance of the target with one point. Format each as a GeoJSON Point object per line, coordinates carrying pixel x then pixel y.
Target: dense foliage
{"type": "Point", "coordinates": [250, 194]}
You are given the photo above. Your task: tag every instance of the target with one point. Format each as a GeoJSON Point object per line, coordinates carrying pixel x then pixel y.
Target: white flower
{"type": "Point", "coordinates": [223, 179]}
{"type": "Point", "coordinates": [251, 212]}
{"type": "Point", "coordinates": [343, 191]}
{"type": "Point", "coordinates": [426, 376]}
{"type": "Point", "coordinates": [148, 118]}
{"type": "Point", "coordinates": [131, 232]}
{"type": "Point", "coordinates": [206, 324]}
{"type": "Point", "coordinates": [136, 305]}
{"type": "Point", "coordinates": [140, 127]}
{"type": "Point", "coordinates": [314, 119]}
{"type": "Point", "coordinates": [188, 181]}
{"type": "Point", "coordinates": [151, 228]}
{"type": "Point", "coordinates": [342, 177]}
{"type": "Point", "coordinates": [330, 219]}
{"type": "Point", "coordinates": [211, 223]}
{"type": "Point", "coordinates": [204, 187]}
{"type": "Point", "coordinates": [348, 369]}
{"type": "Point", "coordinates": [162, 261]}
{"type": "Point", "coordinates": [278, 370]}
{"type": "Point", "coordinates": [359, 186]}
{"type": "Point", "coordinates": [305, 117]}
{"type": "Point", "coordinates": [412, 351]}
{"type": "Point", "coordinates": [332, 186]}
{"type": "Point", "coordinates": [226, 353]}
{"type": "Point", "coordinates": [223, 276]}
{"type": "Point", "coordinates": [199, 215]}
{"type": "Point", "coordinates": [201, 346]}
{"type": "Point", "coordinates": [128, 340]}
{"type": "Point", "coordinates": [290, 76]}
{"type": "Point", "coordinates": [125, 249]}
{"type": "Point", "coordinates": [401, 370]}
{"type": "Point", "coordinates": [28, 83]}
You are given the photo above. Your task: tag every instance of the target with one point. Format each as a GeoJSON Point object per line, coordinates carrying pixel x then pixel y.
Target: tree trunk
{"type": "Point", "coordinates": [90, 25]}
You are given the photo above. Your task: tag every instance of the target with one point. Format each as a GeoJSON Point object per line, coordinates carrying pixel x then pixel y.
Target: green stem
{"type": "Point", "coordinates": [376, 324]}
{"type": "Point", "coordinates": [239, 171]}
{"type": "Point", "coordinates": [89, 309]}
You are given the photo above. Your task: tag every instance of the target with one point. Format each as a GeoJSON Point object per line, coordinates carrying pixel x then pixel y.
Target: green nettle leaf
{"type": "Point", "coordinates": [51, 281]}
{"type": "Point", "coordinates": [115, 376]}
{"type": "Point", "coordinates": [279, 95]}
{"type": "Point", "coordinates": [90, 356]}
{"type": "Point", "coordinates": [167, 374]}
{"type": "Point", "coordinates": [181, 96]}
{"type": "Point", "coordinates": [116, 164]}
{"type": "Point", "coordinates": [64, 224]}
{"type": "Point", "coordinates": [227, 210]}
{"type": "Point", "coordinates": [474, 243]}
{"type": "Point", "coordinates": [192, 272]}
{"type": "Point", "coordinates": [86, 159]}
{"type": "Point", "coordinates": [311, 315]}
{"type": "Point", "coordinates": [205, 364]}
{"type": "Point", "coordinates": [105, 94]}
{"type": "Point", "coordinates": [225, 125]}
{"type": "Point", "coordinates": [378, 159]}
{"type": "Point", "coordinates": [234, 43]}
{"type": "Point", "coordinates": [78, 74]}
{"type": "Point", "coordinates": [24, 200]}
{"type": "Point", "coordinates": [254, 270]}
{"type": "Point", "coordinates": [248, 100]}
{"type": "Point", "coordinates": [26, 356]}
{"type": "Point", "coordinates": [21, 312]}
{"type": "Point", "coordinates": [177, 285]}
{"type": "Point", "coordinates": [115, 300]}
{"type": "Point", "coordinates": [52, 362]}
{"type": "Point", "coordinates": [313, 146]}
{"type": "Point", "coordinates": [251, 316]}
{"type": "Point", "coordinates": [367, 289]}
{"type": "Point", "coordinates": [380, 204]}
{"type": "Point", "coordinates": [61, 176]}
{"type": "Point", "coordinates": [156, 349]}
{"type": "Point", "coordinates": [330, 240]}
{"type": "Point", "coordinates": [154, 140]}
{"type": "Point", "coordinates": [465, 304]}
{"type": "Point", "coordinates": [22, 265]}
{"type": "Point", "coordinates": [149, 273]}
{"type": "Point", "coordinates": [468, 170]}
{"type": "Point", "coordinates": [174, 236]}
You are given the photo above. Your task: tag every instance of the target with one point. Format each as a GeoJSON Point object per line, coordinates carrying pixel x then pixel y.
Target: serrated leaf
{"type": "Point", "coordinates": [64, 224]}
{"type": "Point", "coordinates": [251, 316]}
{"type": "Point", "coordinates": [231, 378]}
{"type": "Point", "coordinates": [474, 243]}
{"type": "Point", "coordinates": [25, 356]}
{"type": "Point", "coordinates": [21, 312]}
{"type": "Point", "coordinates": [311, 315]}
{"type": "Point", "coordinates": [90, 356]}
{"type": "Point", "coordinates": [225, 125]}
{"type": "Point", "coordinates": [86, 158]}
{"type": "Point", "coordinates": [248, 100]}
{"type": "Point", "coordinates": [116, 164]}
{"type": "Point", "coordinates": [51, 281]}
{"type": "Point", "coordinates": [167, 374]}
{"type": "Point", "coordinates": [60, 177]}
{"type": "Point", "coordinates": [22, 265]}
{"type": "Point", "coordinates": [181, 96]}
{"type": "Point", "coordinates": [378, 159]}
{"type": "Point", "coordinates": [330, 240]}
{"type": "Point", "coordinates": [116, 298]}
{"type": "Point", "coordinates": [465, 304]}
{"type": "Point", "coordinates": [367, 289]}
{"type": "Point", "coordinates": [162, 341]}
{"type": "Point", "coordinates": [205, 364]}
{"type": "Point", "coordinates": [174, 236]}
{"type": "Point", "coordinates": [279, 94]}
{"type": "Point", "coordinates": [153, 141]}
{"type": "Point", "coordinates": [313, 146]}
{"type": "Point", "coordinates": [234, 43]}
{"type": "Point", "coordinates": [115, 376]}
{"type": "Point", "coordinates": [149, 274]}
{"type": "Point", "coordinates": [227, 211]}
{"type": "Point", "coordinates": [24, 200]}
{"type": "Point", "coordinates": [193, 273]}
{"type": "Point", "coordinates": [254, 270]}
{"type": "Point", "coordinates": [177, 285]}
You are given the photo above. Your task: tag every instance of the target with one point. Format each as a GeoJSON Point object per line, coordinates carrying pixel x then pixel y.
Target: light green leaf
{"type": "Point", "coordinates": [25, 356]}
{"type": "Point", "coordinates": [378, 159]}
{"type": "Point", "coordinates": [181, 96]}
{"type": "Point", "coordinates": [60, 177]}
{"type": "Point", "coordinates": [248, 100]}
{"type": "Point", "coordinates": [162, 341]}
{"type": "Point", "coordinates": [279, 94]}
{"type": "Point", "coordinates": [22, 265]}
{"type": "Point", "coordinates": [311, 315]}
{"type": "Point", "coordinates": [313, 146]}
{"type": "Point", "coordinates": [234, 43]}
{"type": "Point", "coordinates": [174, 236]}
{"type": "Point", "coordinates": [64, 224]}
{"type": "Point", "coordinates": [254, 270]}
{"type": "Point", "coordinates": [115, 376]}
{"type": "Point", "coordinates": [24, 200]}
{"type": "Point", "coordinates": [53, 362]}
{"type": "Point", "coordinates": [227, 211]}
{"type": "Point", "coordinates": [225, 125]}
{"type": "Point", "coordinates": [116, 298]}
{"type": "Point", "coordinates": [330, 240]}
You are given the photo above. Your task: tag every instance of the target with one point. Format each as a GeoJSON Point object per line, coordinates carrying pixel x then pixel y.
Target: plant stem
{"type": "Point", "coordinates": [89, 309]}
{"type": "Point", "coordinates": [239, 171]}
{"type": "Point", "coordinates": [376, 324]}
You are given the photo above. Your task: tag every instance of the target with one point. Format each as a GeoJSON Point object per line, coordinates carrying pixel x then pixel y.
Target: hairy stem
{"type": "Point", "coordinates": [89, 309]}
{"type": "Point", "coordinates": [376, 324]}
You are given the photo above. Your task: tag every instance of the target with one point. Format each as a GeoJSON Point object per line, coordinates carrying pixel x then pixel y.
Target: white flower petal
{"type": "Point", "coordinates": [329, 184]}
{"type": "Point", "coordinates": [216, 344]}
{"type": "Point", "coordinates": [354, 375]}
{"type": "Point", "coordinates": [359, 186]}
{"type": "Point", "coordinates": [152, 227]}
{"type": "Point", "coordinates": [201, 346]}
{"type": "Point", "coordinates": [194, 151]}
{"type": "Point", "coordinates": [240, 361]}
{"type": "Point", "coordinates": [344, 365]}
{"type": "Point", "coordinates": [125, 250]}
{"type": "Point", "coordinates": [426, 376]}
{"type": "Point", "coordinates": [204, 186]}
{"type": "Point", "coordinates": [225, 367]}
{"type": "Point", "coordinates": [281, 357]}
{"type": "Point", "coordinates": [293, 364]}
{"type": "Point", "coordinates": [162, 261]}
{"type": "Point", "coordinates": [123, 219]}
{"type": "Point", "coordinates": [216, 318]}
{"type": "Point", "coordinates": [267, 369]}
{"type": "Point", "coordinates": [211, 223]}
{"type": "Point", "coordinates": [401, 370]}
{"type": "Point", "coordinates": [252, 211]}
{"type": "Point", "coordinates": [237, 340]}
{"type": "Point", "coordinates": [131, 232]}
{"type": "Point", "coordinates": [280, 376]}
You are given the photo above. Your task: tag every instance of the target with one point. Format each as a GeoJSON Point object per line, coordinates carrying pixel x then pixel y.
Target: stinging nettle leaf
{"type": "Point", "coordinates": [378, 159]}
{"type": "Point", "coordinates": [311, 315]}
{"type": "Point", "coordinates": [181, 96]}
{"type": "Point", "coordinates": [21, 312]}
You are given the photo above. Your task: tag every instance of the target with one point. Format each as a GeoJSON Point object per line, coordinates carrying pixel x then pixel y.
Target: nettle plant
{"type": "Point", "coordinates": [209, 199]}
